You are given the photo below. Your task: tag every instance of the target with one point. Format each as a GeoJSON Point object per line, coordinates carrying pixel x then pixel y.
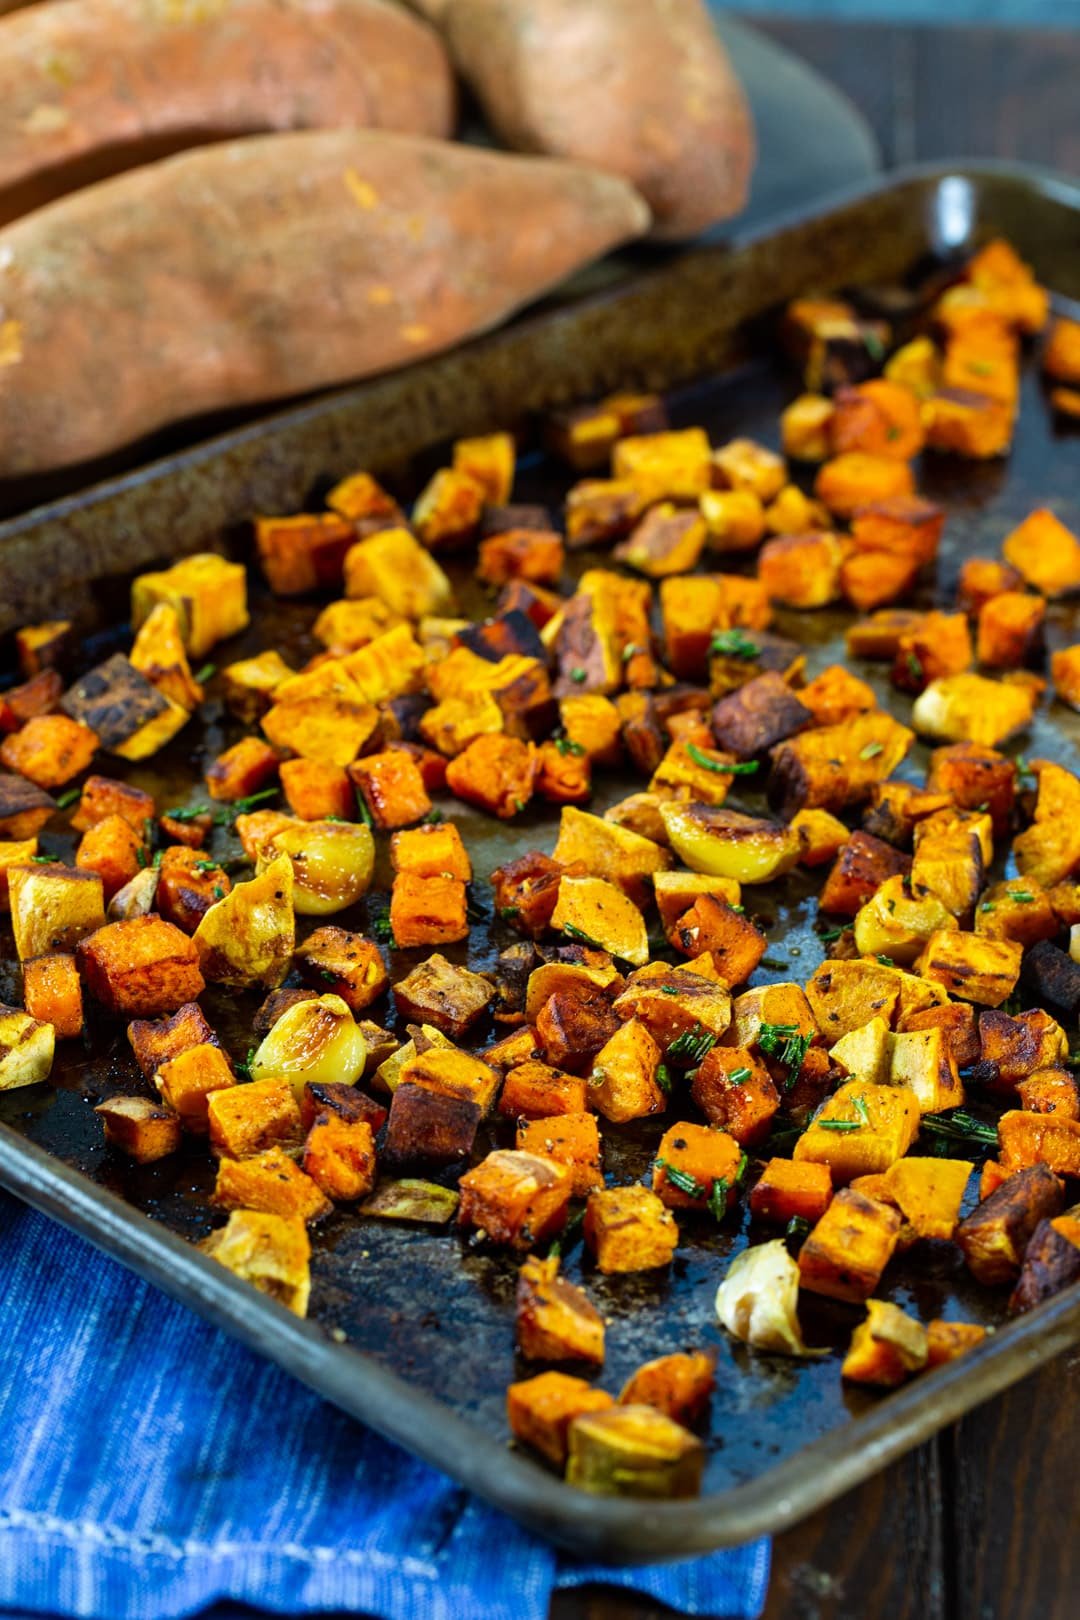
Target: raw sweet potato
{"type": "Point", "coordinates": [277, 250]}
{"type": "Point", "coordinates": [187, 74]}
{"type": "Point", "coordinates": [640, 88]}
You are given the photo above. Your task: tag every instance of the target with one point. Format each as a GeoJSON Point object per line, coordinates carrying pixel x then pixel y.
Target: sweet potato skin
{"type": "Point", "coordinates": [356, 192]}
{"type": "Point", "coordinates": [535, 66]}
{"type": "Point", "coordinates": [268, 69]}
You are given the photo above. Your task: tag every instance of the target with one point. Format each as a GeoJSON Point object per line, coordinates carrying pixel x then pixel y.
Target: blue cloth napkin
{"type": "Point", "coordinates": [150, 1467]}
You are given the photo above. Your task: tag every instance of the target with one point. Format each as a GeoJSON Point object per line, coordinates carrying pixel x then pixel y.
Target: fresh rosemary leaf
{"type": "Point", "coordinates": [681, 1180]}
{"type": "Point", "coordinates": [745, 767]}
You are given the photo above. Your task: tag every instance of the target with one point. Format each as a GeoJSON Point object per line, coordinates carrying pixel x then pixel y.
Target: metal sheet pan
{"type": "Point", "coordinates": [782, 1437]}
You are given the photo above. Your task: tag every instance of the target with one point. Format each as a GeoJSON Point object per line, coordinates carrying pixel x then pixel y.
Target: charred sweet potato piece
{"type": "Point", "coordinates": [1051, 1262]}
{"type": "Point", "coordinates": [956, 1020]}
{"type": "Point", "coordinates": [573, 1026]}
{"type": "Point", "coordinates": [140, 968]}
{"type": "Point", "coordinates": [964, 422]}
{"type": "Point", "coordinates": [248, 1119]}
{"type": "Point", "coordinates": [801, 570]}
{"type": "Point", "coordinates": [526, 891]}
{"type": "Point", "coordinates": [250, 683]}
{"type": "Point", "coordinates": [836, 695]}
{"type": "Point", "coordinates": [857, 479]}
{"type": "Point", "coordinates": [834, 766]}
{"type": "Point", "coordinates": [849, 1247]}
{"type": "Point", "coordinates": [974, 777]}
{"type": "Point", "coordinates": [996, 1233]}
{"type": "Point", "coordinates": [535, 1090]}
{"type": "Point", "coordinates": [188, 886]}
{"type": "Point", "coordinates": [428, 910]}
{"type": "Point", "coordinates": [905, 525]}
{"type": "Point", "coordinates": [52, 993]}
{"type": "Point", "coordinates": [495, 773]}
{"type": "Point", "coordinates": [154, 1042]}
{"type": "Point", "coordinates": [427, 1127]}
{"type": "Point", "coordinates": [187, 1080]}
{"type": "Point", "coordinates": [972, 967]}
{"type": "Point", "coordinates": [787, 1191]}
{"type": "Point", "coordinates": [346, 964]}
{"type": "Point", "coordinates": [667, 540]}
{"type": "Point", "coordinates": [736, 1093]}
{"type": "Point", "coordinates": [302, 553]}
{"type": "Point", "coordinates": [49, 750]}
{"type": "Point", "coordinates": [629, 1229]}
{"type": "Point", "coordinates": [887, 1348]}
{"type": "Point", "coordinates": [102, 798]}
{"type": "Point", "coordinates": [140, 1127]}
{"type": "Point", "coordinates": [555, 1321]}
{"type": "Point", "coordinates": [569, 1139]}
{"type": "Point", "coordinates": [439, 993]}
{"type": "Point", "coordinates": [540, 1410]}
{"type": "Point", "coordinates": [39, 695]}
{"type": "Point", "coordinates": [1045, 552]}
{"type": "Point", "coordinates": [879, 417]}
{"type": "Point", "coordinates": [1047, 1091]}
{"type": "Point", "coordinates": [526, 554]}
{"type": "Point", "coordinates": [346, 1102]}
{"type": "Point", "coordinates": [1013, 1048]}
{"type": "Point", "coordinates": [678, 1385]}
{"type": "Point", "coordinates": [862, 866]}
{"type": "Point", "coordinates": [757, 715]}
{"type": "Point", "coordinates": [948, 1340]}
{"type": "Point", "coordinates": [43, 646]}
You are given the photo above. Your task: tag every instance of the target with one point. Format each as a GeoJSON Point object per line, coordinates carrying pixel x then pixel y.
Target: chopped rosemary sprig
{"type": "Point", "coordinates": [67, 799]}
{"type": "Point", "coordinates": [205, 674]}
{"type": "Point", "coordinates": [871, 750]}
{"type": "Point", "coordinates": [241, 807]}
{"type": "Point", "coordinates": [962, 1127]}
{"type": "Point", "coordinates": [745, 767]}
{"type": "Point", "coordinates": [796, 1233]}
{"type": "Point", "coordinates": [681, 1180]}
{"type": "Point", "coordinates": [570, 1234]}
{"type": "Point", "coordinates": [663, 1077]}
{"type": "Point", "coordinates": [737, 1076]}
{"type": "Point", "coordinates": [693, 1046]}
{"type": "Point", "coordinates": [718, 1197]}
{"type": "Point", "coordinates": [733, 644]}
{"type": "Point", "coordinates": [188, 812]}
{"type": "Point", "coordinates": [581, 936]}
{"type": "Point", "coordinates": [567, 745]}
{"type": "Point", "coordinates": [784, 1043]}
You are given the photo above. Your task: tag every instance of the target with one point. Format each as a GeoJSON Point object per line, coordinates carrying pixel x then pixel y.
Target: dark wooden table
{"type": "Point", "coordinates": [982, 1523]}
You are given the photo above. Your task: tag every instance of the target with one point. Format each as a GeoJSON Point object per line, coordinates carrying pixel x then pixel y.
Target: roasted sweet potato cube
{"type": "Point", "coordinates": [339, 1156]}
{"type": "Point", "coordinates": [431, 851]}
{"type": "Point", "coordinates": [52, 993]}
{"type": "Point", "coordinates": [878, 417]}
{"type": "Point", "coordinates": [762, 712]}
{"type": "Point", "coordinates": [569, 1139]}
{"type": "Point", "coordinates": [540, 1410]}
{"type": "Point", "coordinates": [428, 1127]}
{"type": "Point", "coordinates": [272, 1183]}
{"type": "Point", "coordinates": [887, 1348]}
{"type": "Point", "coordinates": [972, 967]}
{"type": "Point", "coordinates": [113, 850]}
{"type": "Point", "coordinates": [43, 646]}
{"type": "Point", "coordinates": [323, 727]}
{"type": "Point", "coordinates": [19, 853]}
{"type": "Point", "coordinates": [362, 500]}
{"type": "Point", "coordinates": [39, 695]}
{"type": "Point", "coordinates": [1045, 552]}
{"type": "Point", "coordinates": [600, 510]}
{"type": "Point", "coordinates": [555, 1321]}
{"type": "Point", "coordinates": [245, 768]}
{"type": "Point", "coordinates": [964, 422]}
{"type": "Point", "coordinates": [394, 567]}
{"type": "Point", "coordinates": [956, 1020]}
{"type": "Point", "coordinates": [735, 1092]}
{"type": "Point", "coordinates": [208, 593]}
{"type": "Point", "coordinates": [140, 1127]}
{"type": "Point", "coordinates": [53, 907]}
{"type": "Point", "coordinates": [346, 964]}
{"type": "Point", "coordinates": [458, 1074]}
{"type": "Point", "coordinates": [821, 836]}
{"type": "Point", "coordinates": [1029, 1139]}
{"type": "Point", "coordinates": [516, 1198]}
{"type": "Point", "coordinates": [248, 1119]}
{"type": "Point", "coordinates": [678, 1385]}
{"type": "Point", "coordinates": [1047, 1091]}
{"type": "Point", "coordinates": [250, 683]}
{"type": "Point", "coordinates": [948, 1340]}
{"type": "Point", "coordinates": [102, 797]}
{"type": "Point", "coordinates": [836, 695]}
{"type": "Point", "coordinates": [857, 479]}
{"type": "Point", "coordinates": [527, 554]}
{"type": "Point", "coordinates": [697, 1167]}
{"type": "Point", "coordinates": [607, 851]}
{"type": "Point", "coordinates": [729, 936]}
{"type": "Point", "coordinates": [996, 1233]}
{"type": "Point", "coordinates": [629, 1229]}
{"type": "Point", "coordinates": [315, 790]}
{"type": "Point", "coordinates": [622, 1082]}
{"type": "Point", "coordinates": [667, 540]}
{"type": "Point", "coordinates": [267, 1251]}
{"type": "Point", "coordinates": [1061, 355]}
{"type": "Point", "coordinates": [1012, 1048]}
{"type": "Point", "coordinates": [536, 1091]}
{"type": "Point", "coordinates": [188, 885]}
{"type": "Point", "coordinates": [862, 1129]}
{"type": "Point", "coordinates": [734, 519]}
{"type": "Point", "coordinates": [801, 570]}
{"type": "Point", "coordinates": [672, 465]}
{"type": "Point", "coordinates": [937, 646]}
{"type": "Point", "coordinates": [906, 525]}
{"type": "Point", "coordinates": [187, 1081]}
{"type": "Point", "coordinates": [393, 788]}
{"type": "Point", "coordinates": [437, 992]}
{"type": "Point", "coordinates": [495, 773]}
{"type": "Point", "coordinates": [804, 427]}
{"type": "Point", "coordinates": [871, 579]}
{"type": "Point", "coordinates": [835, 766]}
{"type": "Point", "coordinates": [787, 1191]}
{"type": "Point", "coordinates": [573, 1026]}
{"type": "Point", "coordinates": [447, 511]}
{"type": "Point", "coordinates": [975, 777]}
{"type": "Point", "coordinates": [49, 750]}
{"type": "Point", "coordinates": [849, 1247]}
{"type": "Point", "coordinates": [981, 579]}
{"type": "Point", "coordinates": [1010, 629]}
{"type": "Point", "coordinates": [922, 1061]}
{"type": "Point", "coordinates": [1051, 1262]}
{"type": "Point", "coordinates": [928, 1193]}
{"type": "Point", "coordinates": [634, 1451]}
{"type": "Point", "coordinates": [302, 553]}
{"type": "Point", "coordinates": [862, 866]}
{"type": "Point", "coordinates": [428, 910]}
{"type": "Point", "coordinates": [154, 1042]}
{"type": "Point", "coordinates": [141, 968]}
